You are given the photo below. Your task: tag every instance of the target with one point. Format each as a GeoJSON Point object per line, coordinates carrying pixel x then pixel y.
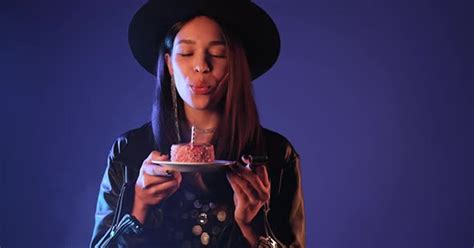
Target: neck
{"type": "Point", "coordinates": [202, 119]}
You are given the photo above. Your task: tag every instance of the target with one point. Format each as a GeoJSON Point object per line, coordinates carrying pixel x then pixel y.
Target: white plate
{"type": "Point", "coordinates": [195, 166]}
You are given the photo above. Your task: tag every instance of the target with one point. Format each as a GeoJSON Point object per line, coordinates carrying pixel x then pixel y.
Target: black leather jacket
{"type": "Point", "coordinates": [286, 215]}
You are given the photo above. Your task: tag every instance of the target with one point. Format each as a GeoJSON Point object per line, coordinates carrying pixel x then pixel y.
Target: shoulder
{"type": "Point", "coordinates": [278, 146]}
{"type": "Point", "coordinates": [133, 144]}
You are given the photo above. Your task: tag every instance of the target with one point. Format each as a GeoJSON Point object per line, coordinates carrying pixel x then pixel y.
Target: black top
{"type": "Point", "coordinates": [192, 217]}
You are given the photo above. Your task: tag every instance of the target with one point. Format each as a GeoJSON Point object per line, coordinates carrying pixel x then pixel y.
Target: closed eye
{"type": "Point", "coordinates": [185, 54]}
{"type": "Point", "coordinates": [219, 56]}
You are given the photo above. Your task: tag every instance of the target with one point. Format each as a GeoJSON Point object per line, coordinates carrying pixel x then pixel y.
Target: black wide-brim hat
{"type": "Point", "coordinates": [251, 24]}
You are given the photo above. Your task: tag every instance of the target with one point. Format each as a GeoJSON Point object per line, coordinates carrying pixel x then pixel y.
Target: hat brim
{"type": "Point", "coordinates": [255, 28]}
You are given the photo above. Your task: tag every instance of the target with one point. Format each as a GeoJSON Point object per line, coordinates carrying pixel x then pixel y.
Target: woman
{"type": "Point", "coordinates": [204, 55]}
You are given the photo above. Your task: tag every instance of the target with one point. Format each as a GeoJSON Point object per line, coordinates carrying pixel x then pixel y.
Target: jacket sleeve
{"type": "Point", "coordinates": [286, 215]}
{"type": "Point", "coordinates": [114, 202]}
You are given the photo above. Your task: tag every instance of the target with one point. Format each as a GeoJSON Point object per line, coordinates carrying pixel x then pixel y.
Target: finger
{"type": "Point", "coordinates": [156, 156]}
{"type": "Point", "coordinates": [262, 173]}
{"type": "Point", "coordinates": [246, 187]}
{"type": "Point", "coordinates": [235, 169]}
{"type": "Point", "coordinates": [152, 155]}
{"type": "Point", "coordinates": [156, 170]}
{"type": "Point", "coordinates": [256, 184]}
{"type": "Point", "coordinates": [153, 179]}
{"type": "Point", "coordinates": [176, 175]}
{"type": "Point", "coordinates": [149, 181]}
{"type": "Point", "coordinates": [239, 193]}
{"type": "Point", "coordinates": [165, 188]}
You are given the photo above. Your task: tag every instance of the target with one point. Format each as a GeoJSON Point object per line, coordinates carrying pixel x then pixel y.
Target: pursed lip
{"type": "Point", "coordinates": [201, 90]}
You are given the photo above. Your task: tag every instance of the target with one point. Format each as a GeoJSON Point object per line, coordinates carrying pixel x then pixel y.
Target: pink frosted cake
{"type": "Point", "coordinates": [192, 153]}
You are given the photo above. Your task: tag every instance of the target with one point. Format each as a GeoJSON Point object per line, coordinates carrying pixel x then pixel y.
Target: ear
{"type": "Point", "coordinates": [168, 63]}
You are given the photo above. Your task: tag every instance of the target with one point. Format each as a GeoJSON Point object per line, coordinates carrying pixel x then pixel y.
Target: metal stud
{"type": "Point", "coordinates": [197, 204]}
{"type": "Point", "coordinates": [197, 230]}
{"type": "Point", "coordinates": [221, 215]}
{"type": "Point", "coordinates": [205, 238]}
{"type": "Point", "coordinates": [202, 219]}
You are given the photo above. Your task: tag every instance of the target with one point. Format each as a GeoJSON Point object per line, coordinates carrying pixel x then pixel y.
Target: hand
{"type": "Point", "coordinates": [251, 192]}
{"type": "Point", "coordinates": [154, 184]}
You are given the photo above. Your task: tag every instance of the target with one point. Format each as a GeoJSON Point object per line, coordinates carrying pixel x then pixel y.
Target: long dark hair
{"type": "Point", "coordinates": [239, 130]}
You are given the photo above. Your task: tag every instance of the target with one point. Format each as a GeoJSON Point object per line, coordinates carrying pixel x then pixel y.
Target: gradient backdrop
{"type": "Point", "coordinates": [377, 97]}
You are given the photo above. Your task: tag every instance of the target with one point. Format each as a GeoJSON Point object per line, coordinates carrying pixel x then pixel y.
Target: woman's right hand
{"type": "Point", "coordinates": [154, 184]}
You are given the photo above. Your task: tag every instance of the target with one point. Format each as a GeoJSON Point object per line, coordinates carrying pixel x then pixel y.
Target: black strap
{"type": "Point", "coordinates": [117, 223]}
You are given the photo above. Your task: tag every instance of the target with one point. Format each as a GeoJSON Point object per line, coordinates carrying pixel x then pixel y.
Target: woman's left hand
{"type": "Point", "coordinates": [251, 192]}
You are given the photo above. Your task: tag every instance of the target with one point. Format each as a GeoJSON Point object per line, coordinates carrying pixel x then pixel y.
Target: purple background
{"type": "Point", "coordinates": [377, 97]}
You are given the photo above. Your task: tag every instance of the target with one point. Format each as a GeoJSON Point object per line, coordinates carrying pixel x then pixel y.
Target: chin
{"type": "Point", "coordinates": [199, 104]}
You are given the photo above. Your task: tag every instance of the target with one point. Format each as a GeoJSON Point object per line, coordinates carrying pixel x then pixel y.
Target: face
{"type": "Point", "coordinates": [198, 63]}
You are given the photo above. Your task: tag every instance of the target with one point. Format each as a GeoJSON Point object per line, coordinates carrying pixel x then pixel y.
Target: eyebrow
{"type": "Point", "coordinates": [191, 42]}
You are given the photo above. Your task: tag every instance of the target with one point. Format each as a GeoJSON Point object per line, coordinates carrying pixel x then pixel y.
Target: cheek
{"type": "Point", "coordinates": [183, 91]}
{"type": "Point", "coordinates": [220, 70]}
{"type": "Point", "coordinates": [181, 84]}
{"type": "Point", "coordinates": [180, 78]}
{"type": "Point", "coordinates": [179, 67]}
{"type": "Point", "coordinates": [220, 91]}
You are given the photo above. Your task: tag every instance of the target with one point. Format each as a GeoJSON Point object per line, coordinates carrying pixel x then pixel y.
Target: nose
{"type": "Point", "coordinates": [202, 68]}
{"type": "Point", "coordinates": [201, 64]}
